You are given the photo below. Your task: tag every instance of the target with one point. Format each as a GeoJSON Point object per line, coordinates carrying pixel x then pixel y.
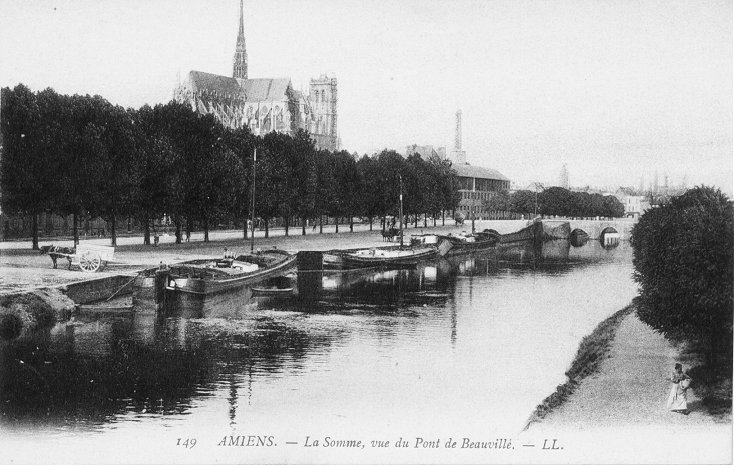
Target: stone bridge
{"type": "Point", "coordinates": [593, 228]}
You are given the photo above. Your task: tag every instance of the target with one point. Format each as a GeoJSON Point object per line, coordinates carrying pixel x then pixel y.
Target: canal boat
{"type": "Point", "coordinates": [530, 233]}
{"type": "Point", "coordinates": [470, 243]}
{"type": "Point", "coordinates": [211, 276]}
{"type": "Point", "coordinates": [384, 258]}
{"type": "Point", "coordinates": [556, 229]}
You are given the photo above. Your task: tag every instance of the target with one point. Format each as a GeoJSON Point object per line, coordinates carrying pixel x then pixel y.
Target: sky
{"type": "Point", "coordinates": [617, 90]}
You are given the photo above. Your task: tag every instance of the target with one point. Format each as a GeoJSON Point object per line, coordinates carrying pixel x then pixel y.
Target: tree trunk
{"type": "Point", "coordinates": [351, 223]}
{"type": "Point", "coordinates": [267, 228]}
{"type": "Point", "coordinates": [303, 226]}
{"type": "Point", "coordinates": [370, 218]}
{"type": "Point", "coordinates": [287, 224]}
{"type": "Point", "coordinates": [34, 245]}
{"type": "Point", "coordinates": [443, 217]}
{"type": "Point", "coordinates": [206, 229]}
{"type": "Point", "coordinates": [146, 232]}
{"type": "Point", "coordinates": [75, 229]}
{"type": "Point", "coordinates": [244, 230]}
{"type": "Point", "coordinates": [177, 222]}
{"type": "Point", "coordinates": [425, 220]}
{"type": "Point", "coordinates": [189, 227]}
{"type": "Point", "coordinates": [321, 224]}
{"type": "Point", "coordinates": [113, 230]}
{"type": "Point", "coordinates": [336, 222]}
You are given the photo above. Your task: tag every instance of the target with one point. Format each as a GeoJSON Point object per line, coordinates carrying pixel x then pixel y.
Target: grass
{"type": "Point", "coordinates": [592, 350]}
{"type": "Point", "coordinates": [30, 311]}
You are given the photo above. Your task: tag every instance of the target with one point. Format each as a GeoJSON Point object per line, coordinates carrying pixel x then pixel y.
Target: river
{"type": "Point", "coordinates": [468, 345]}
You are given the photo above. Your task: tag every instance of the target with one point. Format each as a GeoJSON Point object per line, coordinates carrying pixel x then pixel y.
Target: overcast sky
{"type": "Point", "coordinates": [616, 89]}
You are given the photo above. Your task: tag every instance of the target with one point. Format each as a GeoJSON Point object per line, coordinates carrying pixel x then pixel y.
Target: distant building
{"type": "Point", "coordinates": [634, 204]}
{"type": "Point", "coordinates": [425, 151]}
{"type": "Point", "coordinates": [563, 178]}
{"type": "Point", "coordinates": [265, 104]}
{"type": "Point", "coordinates": [477, 184]}
{"type": "Point", "coordinates": [458, 155]}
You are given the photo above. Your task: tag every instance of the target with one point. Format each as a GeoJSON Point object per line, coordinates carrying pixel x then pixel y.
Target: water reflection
{"type": "Point", "coordinates": [279, 355]}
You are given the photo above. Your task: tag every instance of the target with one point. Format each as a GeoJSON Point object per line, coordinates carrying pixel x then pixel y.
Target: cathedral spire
{"type": "Point", "coordinates": [240, 54]}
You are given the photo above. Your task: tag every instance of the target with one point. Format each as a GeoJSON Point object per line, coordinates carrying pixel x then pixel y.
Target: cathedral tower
{"type": "Point", "coordinates": [240, 54]}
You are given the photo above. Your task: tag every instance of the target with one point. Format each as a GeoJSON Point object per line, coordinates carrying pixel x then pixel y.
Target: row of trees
{"type": "Point", "coordinates": [80, 155]}
{"type": "Point", "coordinates": [556, 201]}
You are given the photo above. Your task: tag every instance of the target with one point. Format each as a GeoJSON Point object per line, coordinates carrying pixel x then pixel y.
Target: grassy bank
{"type": "Point", "coordinates": [592, 350]}
{"type": "Point", "coordinates": [25, 312]}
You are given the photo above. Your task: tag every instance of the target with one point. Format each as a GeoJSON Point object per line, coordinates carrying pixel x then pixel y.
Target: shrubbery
{"type": "Point", "coordinates": [683, 263]}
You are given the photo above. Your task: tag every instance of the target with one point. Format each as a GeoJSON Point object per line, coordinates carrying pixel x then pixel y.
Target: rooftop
{"type": "Point", "coordinates": [468, 171]}
{"type": "Point", "coordinates": [261, 89]}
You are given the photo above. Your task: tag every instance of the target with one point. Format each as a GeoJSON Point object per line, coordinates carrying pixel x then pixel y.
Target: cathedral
{"type": "Point", "coordinates": [263, 104]}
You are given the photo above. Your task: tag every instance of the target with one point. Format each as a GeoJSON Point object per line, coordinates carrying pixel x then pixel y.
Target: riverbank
{"type": "Point", "coordinates": [618, 389]}
{"type": "Point", "coordinates": [620, 376]}
{"type": "Point", "coordinates": [22, 268]}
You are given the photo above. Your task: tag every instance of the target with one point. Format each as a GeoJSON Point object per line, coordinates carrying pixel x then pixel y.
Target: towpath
{"type": "Point", "coordinates": [627, 398]}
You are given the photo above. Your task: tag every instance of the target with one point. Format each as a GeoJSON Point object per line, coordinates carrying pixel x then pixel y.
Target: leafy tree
{"type": "Point", "coordinates": [556, 201]}
{"type": "Point", "coordinates": [272, 177]}
{"type": "Point", "coordinates": [498, 201]}
{"type": "Point", "coordinates": [158, 166]}
{"type": "Point", "coordinates": [612, 207]}
{"type": "Point", "coordinates": [240, 143]}
{"type": "Point", "coordinates": [371, 202]}
{"type": "Point", "coordinates": [523, 201]}
{"type": "Point", "coordinates": [26, 175]}
{"type": "Point", "coordinates": [347, 187]}
{"type": "Point", "coordinates": [449, 187]}
{"type": "Point", "coordinates": [415, 187]}
{"type": "Point", "coordinates": [683, 263]}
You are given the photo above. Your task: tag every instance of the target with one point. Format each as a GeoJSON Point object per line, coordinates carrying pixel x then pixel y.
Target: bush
{"type": "Point", "coordinates": [683, 263]}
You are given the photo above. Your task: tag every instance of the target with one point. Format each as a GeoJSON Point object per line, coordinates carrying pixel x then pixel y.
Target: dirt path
{"type": "Point", "coordinates": [631, 386]}
{"type": "Point", "coordinates": [619, 414]}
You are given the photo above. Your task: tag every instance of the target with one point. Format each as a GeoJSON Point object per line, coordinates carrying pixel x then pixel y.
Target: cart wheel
{"type": "Point", "coordinates": [90, 261]}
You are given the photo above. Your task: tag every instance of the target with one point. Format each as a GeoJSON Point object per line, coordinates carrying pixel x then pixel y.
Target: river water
{"type": "Point", "coordinates": [465, 346]}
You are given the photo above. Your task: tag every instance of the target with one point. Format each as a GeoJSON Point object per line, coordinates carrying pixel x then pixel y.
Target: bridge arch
{"type": "Point", "coordinates": [609, 237]}
{"type": "Point", "coordinates": [578, 237]}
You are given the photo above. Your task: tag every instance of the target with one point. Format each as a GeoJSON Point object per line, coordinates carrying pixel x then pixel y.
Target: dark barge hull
{"type": "Point", "coordinates": [205, 286]}
{"type": "Point", "coordinates": [459, 246]}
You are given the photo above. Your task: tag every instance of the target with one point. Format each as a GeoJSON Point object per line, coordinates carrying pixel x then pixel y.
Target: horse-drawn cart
{"type": "Point", "coordinates": [88, 257]}
{"type": "Point", "coordinates": [93, 257]}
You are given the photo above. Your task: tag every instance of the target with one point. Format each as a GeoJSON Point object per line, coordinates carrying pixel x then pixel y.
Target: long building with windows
{"type": "Point", "coordinates": [478, 184]}
{"type": "Point", "coordinates": [264, 104]}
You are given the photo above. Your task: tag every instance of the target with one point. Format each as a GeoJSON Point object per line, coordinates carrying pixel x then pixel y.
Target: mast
{"type": "Point", "coordinates": [401, 210]}
{"type": "Point", "coordinates": [252, 210]}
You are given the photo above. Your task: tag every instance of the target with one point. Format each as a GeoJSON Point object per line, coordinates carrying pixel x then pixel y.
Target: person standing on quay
{"type": "Point", "coordinates": [677, 400]}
